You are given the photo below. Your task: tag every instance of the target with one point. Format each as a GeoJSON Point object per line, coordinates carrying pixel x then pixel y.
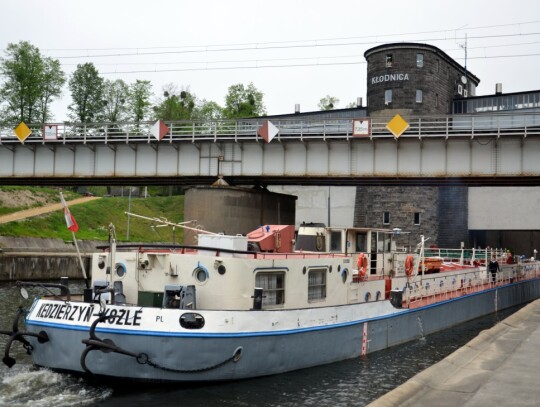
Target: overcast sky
{"type": "Point", "coordinates": [293, 51]}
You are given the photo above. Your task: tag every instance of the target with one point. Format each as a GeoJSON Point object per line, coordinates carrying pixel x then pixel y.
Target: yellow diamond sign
{"type": "Point", "coordinates": [22, 131]}
{"type": "Point", "coordinates": [397, 125]}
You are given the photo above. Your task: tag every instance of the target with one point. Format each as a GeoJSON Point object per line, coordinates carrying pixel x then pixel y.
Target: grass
{"type": "Point", "coordinates": [94, 218]}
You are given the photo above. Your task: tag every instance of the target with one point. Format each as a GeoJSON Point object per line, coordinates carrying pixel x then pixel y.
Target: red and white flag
{"type": "Point", "coordinates": [70, 220]}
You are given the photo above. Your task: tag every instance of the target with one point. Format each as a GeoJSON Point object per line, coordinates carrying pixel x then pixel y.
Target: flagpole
{"type": "Point", "coordinates": [73, 227]}
{"type": "Point", "coordinates": [80, 260]}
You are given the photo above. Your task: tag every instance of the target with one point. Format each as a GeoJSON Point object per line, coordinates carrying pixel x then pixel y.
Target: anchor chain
{"type": "Point", "coordinates": [16, 335]}
{"type": "Point", "coordinates": [107, 345]}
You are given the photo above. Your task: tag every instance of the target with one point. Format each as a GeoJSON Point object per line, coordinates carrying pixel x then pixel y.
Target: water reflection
{"type": "Point", "coordinates": [351, 383]}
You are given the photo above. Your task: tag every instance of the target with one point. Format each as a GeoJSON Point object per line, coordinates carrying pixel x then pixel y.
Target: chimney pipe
{"type": "Point", "coordinates": [359, 102]}
{"type": "Point", "coordinates": [498, 88]}
{"type": "Point", "coordinates": [297, 108]}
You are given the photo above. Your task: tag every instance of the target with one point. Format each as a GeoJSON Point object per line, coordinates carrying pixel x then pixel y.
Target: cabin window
{"type": "Point", "coordinates": [273, 285]}
{"type": "Point", "coordinates": [317, 284]}
{"type": "Point", "coordinates": [335, 241]}
{"type": "Point", "coordinates": [417, 218]}
{"type": "Point", "coordinates": [386, 218]}
{"type": "Point", "coordinates": [361, 242]}
{"type": "Point", "coordinates": [387, 96]}
{"type": "Point", "coordinates": [420, 60]}
{"type": "Point", "coordinates": [389, 60]}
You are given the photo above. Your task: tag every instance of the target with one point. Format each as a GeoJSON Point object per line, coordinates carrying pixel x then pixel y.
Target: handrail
{"type": "Point", "coordinates": [464, 125]}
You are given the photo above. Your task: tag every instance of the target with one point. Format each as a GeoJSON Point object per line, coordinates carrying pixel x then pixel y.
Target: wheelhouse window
{"type": "Point", "coordinates": [273, 285]}
{"type": "Point", "coordinates": [386, 218]}
{"type": "Point", "coordinates": [389, 59]}
{"type": "Point", "coordinates": [419, 96]}
{"type": "Point", "coordinates": [420, 60]}
{"type": "Point", "coordinates": [335, 241]}
{"type": "Point", "coordinates": [361, 242]}
{"type": "Point", "coordinates": [317, 284]}
{"type": "Point", "coordinates": [417, 218]}
{"type": "Point", "coordinates": [387, 96]}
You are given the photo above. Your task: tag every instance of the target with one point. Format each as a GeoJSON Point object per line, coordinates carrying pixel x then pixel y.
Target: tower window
{"type": "Point", "coordinates": [386, 218]}
{"type": "Point", "coordinates": [387, 96]}
{"type": "Point", "coordinates": [389, 60]}
{"type": "Point", "coordinates": [420, 60]}
{"type": "Point", "coordinates": [417, 218]}
{"type": "Point", "coordinates": [419, 96]}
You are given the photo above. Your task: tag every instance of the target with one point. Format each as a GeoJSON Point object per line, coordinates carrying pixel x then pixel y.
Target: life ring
{"type": "Point", "coordinates": [361, 264]}
{"type": "Point", "coordinates": [409, 265]}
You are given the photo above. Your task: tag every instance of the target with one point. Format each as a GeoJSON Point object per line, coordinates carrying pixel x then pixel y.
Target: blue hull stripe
{"type": "Point", "coordinates": [262, 333]}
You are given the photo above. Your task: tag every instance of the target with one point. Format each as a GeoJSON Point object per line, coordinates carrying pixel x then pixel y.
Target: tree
{"type": "Point", "coordinates": [175, 105]}
{"type": "Point", "coordinates": [87, 93]}
{"type": "Point", "coordinates": [243, 102]}
{"type": "Point", "coordinates": [208, 110]}
{"type": "Point", "coordinates": [51, 86]}
{"type": "Point", "coordinates": [32, 82]}
{"type": "Point", "coordinates": [328, 102]}
{"type": "Point", "coordinates": [115, 98]}
{"type": "Point", "coordinates": [139, 106]}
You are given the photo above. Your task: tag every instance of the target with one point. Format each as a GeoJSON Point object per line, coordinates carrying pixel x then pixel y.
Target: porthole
{"type": "Point", "coordinates": [191, 320]}
{"type": "Point", "coordinates": [201, 274]}
{"type": "Point", "coordinates": [344, 275]}
{"type": "Point", "coordinates": [221, 269]}
{"type": "Point", "coordinates": [330, 269]}
{"type": "Point", "coordinates": [120, 270]}
{"type": "Point", "coordinates": [378, 296]}
{"type": "Point", "coordinates": [368, 296]}
{"type": "Point", "coordinates": [101, 264]}
{"type": "Point", "coordinates": [304, 270]}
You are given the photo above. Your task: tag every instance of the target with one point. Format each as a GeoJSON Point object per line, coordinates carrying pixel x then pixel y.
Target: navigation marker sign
{"type": "Point", "coordinates": [22, 131]}
{"type": "Point", "coordinates": [159, 129]}
{"type": "Point", "coordinates": [268, 131]}
{"type": "Point", "coordinates": [397, 125]}
{"type": "Point", "coordinates": [50, 132]}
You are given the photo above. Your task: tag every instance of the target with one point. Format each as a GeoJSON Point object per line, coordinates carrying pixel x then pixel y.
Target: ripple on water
{"type": "Point", "coordinates": [27, 386]}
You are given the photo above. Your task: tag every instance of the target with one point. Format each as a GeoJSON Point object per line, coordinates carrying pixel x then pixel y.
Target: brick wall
{"type": "Point", "coordinates": [442, 212]}
{"type": "Point", "coordinates": [438, 79]}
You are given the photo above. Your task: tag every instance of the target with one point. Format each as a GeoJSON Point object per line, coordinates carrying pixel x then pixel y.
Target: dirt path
{"type": "Point", "coordinates": [28, 213]}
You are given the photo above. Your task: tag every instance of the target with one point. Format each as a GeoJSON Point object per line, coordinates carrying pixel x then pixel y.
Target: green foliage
{"type": "Point", "coordinates": [31, 83]}
{"type": "Point", "coordinates": [175, 105]}
{"type": "Point", "coordinates": [243, 102]}
{"type": "Point", "coordinates": [115, 100]}
{"type": "Point", "coordinates": [86, 88]}
{"type": "Point", "coordinates": [139, 106]}
{"type": "Point", "coordinates": [207, 111]}
{"type": "Point", "coordinates": [94, 218]}
{"type": "Point", "coordinates": [328, 102]}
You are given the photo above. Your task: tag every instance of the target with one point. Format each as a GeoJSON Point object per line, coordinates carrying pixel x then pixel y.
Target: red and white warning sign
{"type": "Point", "coordinates": [159, 129]}
{"type": "Point", "coordinates": [268, 131]}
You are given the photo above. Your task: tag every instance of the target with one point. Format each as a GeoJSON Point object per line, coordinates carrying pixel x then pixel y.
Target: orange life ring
{"type": "Point", "coordinates": [361, 264]}
{"type": "Point", "coordinates": [409, 265]}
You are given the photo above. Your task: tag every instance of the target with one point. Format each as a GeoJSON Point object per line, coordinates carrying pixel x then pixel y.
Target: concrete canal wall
{"type": "Point", "coordinates": [42, 259]}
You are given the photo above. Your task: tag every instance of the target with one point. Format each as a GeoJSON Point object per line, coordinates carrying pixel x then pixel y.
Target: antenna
{"type": "Point", "coordinates": [464, 46]}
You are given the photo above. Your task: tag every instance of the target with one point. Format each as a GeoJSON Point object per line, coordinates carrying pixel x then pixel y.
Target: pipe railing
{"type": "Point", "coordinates": [485, 125]}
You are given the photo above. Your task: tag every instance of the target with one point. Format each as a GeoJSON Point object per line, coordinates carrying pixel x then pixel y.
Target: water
{"type": "Point", "coordinates": [351, 383]}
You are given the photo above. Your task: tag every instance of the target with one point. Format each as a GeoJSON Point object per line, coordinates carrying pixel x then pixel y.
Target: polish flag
{"type": "Point", "coordinates": [70, 220]}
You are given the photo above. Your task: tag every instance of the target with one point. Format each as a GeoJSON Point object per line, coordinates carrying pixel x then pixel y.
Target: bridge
{"type": "Point", "coordinates": [478, 149]}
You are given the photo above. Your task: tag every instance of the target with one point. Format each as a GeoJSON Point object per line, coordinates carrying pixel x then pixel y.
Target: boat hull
{"type": "Point", "coordinates": [284, 340]}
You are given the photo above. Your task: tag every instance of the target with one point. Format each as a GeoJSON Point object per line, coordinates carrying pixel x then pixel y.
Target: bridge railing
{"type": "Point", "coordinates": [520, 124]}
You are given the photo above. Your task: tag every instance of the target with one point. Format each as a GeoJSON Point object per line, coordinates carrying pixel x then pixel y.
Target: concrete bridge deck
{"type": "Point", "coordinates": [500, 367]}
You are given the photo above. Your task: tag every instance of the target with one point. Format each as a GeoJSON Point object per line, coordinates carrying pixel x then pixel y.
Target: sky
{"type": "Point", "coordinates": [295, 52]}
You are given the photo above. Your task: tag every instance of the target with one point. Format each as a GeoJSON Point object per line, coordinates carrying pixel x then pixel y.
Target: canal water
{"type": "Point", "coordinates": [355, 382]}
